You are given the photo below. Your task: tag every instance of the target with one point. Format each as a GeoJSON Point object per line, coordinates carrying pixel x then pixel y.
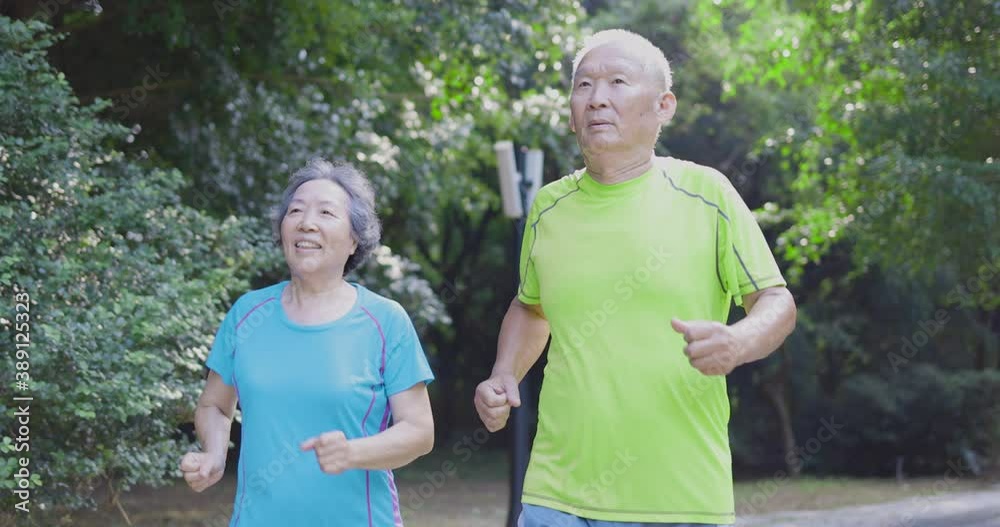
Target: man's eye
{"type": "Point", "coordinates": [328, 213]}
{"type": "Point", "coordinates": [619, 81]}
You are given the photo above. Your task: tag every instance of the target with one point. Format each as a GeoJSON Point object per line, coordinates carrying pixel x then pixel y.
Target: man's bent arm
{"type": "Point", "coordinates": [771, 315]}
{"type": "Point", "coordinates": [523, 335]}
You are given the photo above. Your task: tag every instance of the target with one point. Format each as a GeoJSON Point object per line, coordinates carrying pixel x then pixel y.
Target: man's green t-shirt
{"type": "Point", "coordinates": [628, 430]}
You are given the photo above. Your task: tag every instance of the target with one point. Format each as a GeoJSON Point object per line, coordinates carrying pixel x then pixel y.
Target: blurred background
{"type": "Point", "coordinates": [142, 145]}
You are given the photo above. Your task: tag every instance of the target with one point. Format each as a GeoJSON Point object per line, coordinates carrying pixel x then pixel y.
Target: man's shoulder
{"type": "Point", "coordinates": [696, 180]}
{"type": "Point", "coordinates": [550, 193]}
{"type": "Point", "coordinates": [561, 187]}
{"type": "Point", "coordinates": [691, 173]}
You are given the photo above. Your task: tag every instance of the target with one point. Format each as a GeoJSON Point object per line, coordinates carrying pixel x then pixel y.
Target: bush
{"type": "Point", "coordinates": [126, 287]}
{"type": "Point", "coordinates": [928, 416]}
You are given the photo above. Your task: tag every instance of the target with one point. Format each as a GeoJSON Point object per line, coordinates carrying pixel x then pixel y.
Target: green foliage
{"type": "Point", "coordinates": [886, 139]}
{"type": "Point", "coordinates": [927, 416]}
{"type": "Point", "coordinates": [862, 132]}
{"type": "Point", "coordinates": [126, 285]}
{"type": "Point", "coordinates": [414, 96]}
{"type": "Point", "coordinates": [398, 278]}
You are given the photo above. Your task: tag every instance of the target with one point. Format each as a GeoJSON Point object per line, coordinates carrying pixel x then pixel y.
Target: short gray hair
{"type": "Point", "coordinates": [366, 229]}
{"type": "Point", "coordinates": [653, 56]}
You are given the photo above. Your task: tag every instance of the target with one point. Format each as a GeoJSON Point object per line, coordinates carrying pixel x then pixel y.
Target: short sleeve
{"type": "Point", "coordinates": [528, 291]}
{"type": "Point", "coordinates": [221, 357]}
{"type": "Point", "coordinates": [405, 363]}
{"type": "Point", "coordinates": [747, 262]}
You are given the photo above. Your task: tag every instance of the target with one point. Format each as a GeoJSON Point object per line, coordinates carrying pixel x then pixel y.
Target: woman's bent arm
{"type": "Point", "coordinates": [214, 416]}
{"type": "Point", "coordinates": [411, 436]}
{"type": "Point", "coordinates": [212, 420]}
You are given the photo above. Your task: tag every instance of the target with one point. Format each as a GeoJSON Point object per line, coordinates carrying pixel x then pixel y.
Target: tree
{"type": "Point", "coordinates": [882, 149]}
{"type": "Point", "coordinates": [414, 96]}
{"type": "Point", "coordinates": [838, 121]}
{"type": "Point", "coordinates": [889, 147]}
{"type": "Point", "coordinates": [127, 286]}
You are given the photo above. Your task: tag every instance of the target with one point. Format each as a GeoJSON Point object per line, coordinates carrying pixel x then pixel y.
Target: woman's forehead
{"type": "Point", "coordinates": [319, 190]}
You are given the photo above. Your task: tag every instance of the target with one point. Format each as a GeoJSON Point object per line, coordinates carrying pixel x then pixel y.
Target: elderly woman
{"type": "Point", "coordinates": [319, 365]}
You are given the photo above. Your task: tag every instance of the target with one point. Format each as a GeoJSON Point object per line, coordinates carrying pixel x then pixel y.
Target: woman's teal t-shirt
{"type": "Point", "coordinates": [295, 382]}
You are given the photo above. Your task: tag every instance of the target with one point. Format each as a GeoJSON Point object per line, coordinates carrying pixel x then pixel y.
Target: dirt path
{"type": "Point", "coordinates": [459, 503]}
{"type": "Point", "coordinates": [482, 502]}
{"type": "Point", "coordinates": [962, 509]}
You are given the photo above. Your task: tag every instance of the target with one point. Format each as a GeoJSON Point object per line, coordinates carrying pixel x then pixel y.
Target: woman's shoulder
{"type": "Point", "coordinates": [386, 310]}
{"type": "Point", "coordinates": [256, 298]}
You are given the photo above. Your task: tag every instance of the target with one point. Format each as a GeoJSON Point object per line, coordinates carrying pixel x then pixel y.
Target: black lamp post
{"type": "Point", "coordinates": [517, 188]}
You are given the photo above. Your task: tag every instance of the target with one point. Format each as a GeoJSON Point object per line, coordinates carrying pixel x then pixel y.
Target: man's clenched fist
{"type": "Point", "coordinates": [494, 398]}
{"type": "Point", "coordinates": [202, 470]}
{"type": "Point", "coordinates": [712, 348]}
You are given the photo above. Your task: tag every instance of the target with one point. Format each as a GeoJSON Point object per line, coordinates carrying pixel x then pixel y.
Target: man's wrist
{"type": "Point", "coordinates": [746, 341]}
{"type": "Point", "coordinates": [500, 371]}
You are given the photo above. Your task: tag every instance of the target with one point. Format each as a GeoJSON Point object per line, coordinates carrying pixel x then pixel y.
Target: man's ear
{"type": "Point", "coordinates": [666, 106]}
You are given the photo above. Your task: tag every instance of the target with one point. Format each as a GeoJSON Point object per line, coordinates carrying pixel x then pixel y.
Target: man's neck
{"type": "Point", "coordinates": [611, 169]}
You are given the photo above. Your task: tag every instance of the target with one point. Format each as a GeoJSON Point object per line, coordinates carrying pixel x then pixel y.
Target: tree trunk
{"type": "Point", "coordinates": [993, 323]}
{"type": "Point", "coordinates": [987, 356]}
{"type": "Point", "coordinates": [775, 389]}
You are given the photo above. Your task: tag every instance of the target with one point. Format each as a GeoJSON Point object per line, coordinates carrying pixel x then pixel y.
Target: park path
{"type": "Point", "coordinates": [961, 509]}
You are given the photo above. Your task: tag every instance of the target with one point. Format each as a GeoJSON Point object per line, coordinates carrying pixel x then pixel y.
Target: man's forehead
{"type": "Point", "coordinates": [610, 57]}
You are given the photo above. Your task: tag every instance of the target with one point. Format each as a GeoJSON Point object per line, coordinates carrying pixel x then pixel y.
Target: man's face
{"type": "Point", "coordinates": [616, 105]}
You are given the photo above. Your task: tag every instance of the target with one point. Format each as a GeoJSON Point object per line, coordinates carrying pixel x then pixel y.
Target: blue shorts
{"type": "Point", "coordinates": [536, 516]}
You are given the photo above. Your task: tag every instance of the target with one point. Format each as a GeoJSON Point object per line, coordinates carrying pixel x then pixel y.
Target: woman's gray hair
{"type": "Point", "coordinates": [366, 229]}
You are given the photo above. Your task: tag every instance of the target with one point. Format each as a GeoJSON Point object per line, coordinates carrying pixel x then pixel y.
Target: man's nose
{"type": "Point", "coordinates": [598, 97]}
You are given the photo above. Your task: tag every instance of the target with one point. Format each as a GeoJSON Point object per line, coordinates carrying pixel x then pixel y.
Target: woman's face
{"type": "Point", "coordinates": [316, 230]}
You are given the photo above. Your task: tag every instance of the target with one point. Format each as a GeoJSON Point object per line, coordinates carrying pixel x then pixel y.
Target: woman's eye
{"type": "Point", "coordinates": [583, 84]}
{"type": "Point", "coordinates": [619, 81]}
{"type": "Point", "coordinates": [328, 213]}
{"type": "Point", "coordinates": [292, 211]}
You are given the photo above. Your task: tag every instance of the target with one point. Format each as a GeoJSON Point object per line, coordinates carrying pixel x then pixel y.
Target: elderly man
{"type": "Point", "coordinates": [632, 264]}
